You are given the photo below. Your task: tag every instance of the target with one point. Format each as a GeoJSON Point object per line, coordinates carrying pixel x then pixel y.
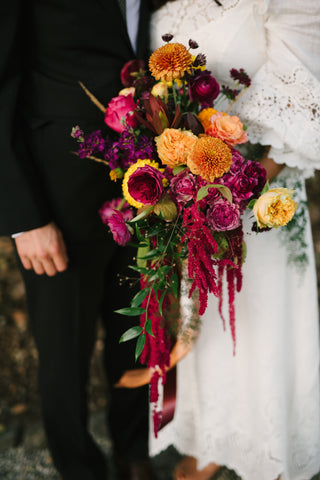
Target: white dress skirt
{"type": "Point", "coordinates": [258, 411]}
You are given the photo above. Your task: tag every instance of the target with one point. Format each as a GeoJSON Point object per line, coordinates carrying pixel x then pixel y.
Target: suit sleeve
{"type": "Point", "coordinates": [20, 207]}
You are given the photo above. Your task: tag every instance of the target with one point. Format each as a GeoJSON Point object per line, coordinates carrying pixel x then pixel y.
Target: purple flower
{"type": "Point", "coordinates": [108, 209]}
{"type": "Point", "coordinates": [119, 229]}
{"type": "Point", "coordinates": [145, 185]}
{"type": "Point", "coordinates": [243, 187]}
{"type": "Point", "coordinates": [183, 186]}
{"type": "Point", "coordinates": [223, 216]}
{"type": "Point", "coordinates": [92, 144]}
{"type": "Point", "coordinates": [204, 88]}
{"type": "Point", "coordinates": [241, 76]}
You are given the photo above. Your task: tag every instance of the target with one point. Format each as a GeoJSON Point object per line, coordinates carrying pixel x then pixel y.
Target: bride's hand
{"type": "Point", "coordinates": [273, 169]}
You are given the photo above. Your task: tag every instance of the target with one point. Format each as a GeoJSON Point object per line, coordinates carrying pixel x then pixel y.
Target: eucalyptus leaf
{"type": "Point", "coordinates": [141, 215]}
{"type": "Point", "coordinates": [225, 191]}
{"type": "Point", "coordinates": [133, 332]}
{"type": "Point", "coordinates": [178, 169]}
{"type": "Point", "coordinates": [139, 297]}
{"type": "Point", "coordinates": [148, 327]}
{"type": "Point", "coordinates": [140, 344]}
{"type": "Point", "coordinates": [130, 311]}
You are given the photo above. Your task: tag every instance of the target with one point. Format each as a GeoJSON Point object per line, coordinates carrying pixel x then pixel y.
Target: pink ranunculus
{"type": "Point", "coordinates": [119, 113]}
{"type": "Point", "coordinates": [120, 232]}
{"type": "Point", "coordinates": [183, 186]}
{"type": "Point", "coordinates": [223, 216]}
{"type": "Point", "coordinates": [145, 185]}
{"type": "Point", "coordinates": [129, 70]}
{"type": "Point", "coordinates": [204, 88]}
{"type": "Point", "coordinates": [108, 208]}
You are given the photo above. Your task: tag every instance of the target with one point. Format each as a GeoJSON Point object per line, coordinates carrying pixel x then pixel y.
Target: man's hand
{"type": "Point", "coordinates": [43, 250]}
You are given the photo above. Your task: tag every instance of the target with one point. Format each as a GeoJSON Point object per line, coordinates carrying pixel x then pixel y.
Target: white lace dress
{"type": "Point", "coordinates": [258, 412]}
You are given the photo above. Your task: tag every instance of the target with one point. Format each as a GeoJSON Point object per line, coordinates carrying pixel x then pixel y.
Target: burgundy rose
{"type": "Point", "coordinates": [145, 185]}
{"type": "Point", "coordinates": [108, 208]}
{"type": "Point", "coordinates": [119, 113]}
{"type": "Point", "coordinates": [237, 162]}
{"type": "Point", "coordinates": [223, 216]}
{"type": "Point", "coordinates": [255, 170]}
{"type": "Point", "coordinates": [129, 71]}
{"type": "Point", "coordinates": [243, 187]}
{"type": "Point", "coordinates": [183, 186]}
{"type": "Point", "coordinates": [203, 89]}
{"type": "Point", "coordinates": [120, 232]}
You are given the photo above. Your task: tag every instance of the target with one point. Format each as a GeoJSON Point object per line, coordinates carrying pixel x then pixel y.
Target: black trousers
{"type": "Point", "coordinates": [63, 311]}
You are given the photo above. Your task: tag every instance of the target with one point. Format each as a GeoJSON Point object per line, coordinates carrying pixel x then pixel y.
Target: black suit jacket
{"type": "Point", "coordinates": [47, 46]}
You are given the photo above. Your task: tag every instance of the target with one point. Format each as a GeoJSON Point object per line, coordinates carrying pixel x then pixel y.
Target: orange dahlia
{"type": "Point", "coordinates": [170, 62]}
{"type": "Point", "coordinates": [210, 158]}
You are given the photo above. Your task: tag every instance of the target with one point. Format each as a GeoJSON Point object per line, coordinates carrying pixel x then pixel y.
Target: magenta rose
{"type": "Point", "coordinates": [183, 186]}
{"type": "Point", "coordinates": [120, 232]}
{"type": "Point", "coordinates": [203, 89]}
{"type": "Point", "coordinates": [119, 113]}
{"type": "Point", "coordinates": [145, 185]}
{"type": "Point", "coordinates": [108, 208]}
{"type": "Point", "coordinates": [129, 71]}
{"type": "Point", "coordinates": [223, 216]}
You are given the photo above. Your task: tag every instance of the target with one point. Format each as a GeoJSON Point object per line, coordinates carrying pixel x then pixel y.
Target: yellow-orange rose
{"type": "Point", "coordinates": [275, 208]}
{"type": "Point", "coordinates": [160, 89]}
{"type": "Point", "coordinates": [127, 91]}
{"type": "Point", "coordinates": [229, 129]}
{"type": "Point", "coordinates": [173, 146]}
{"type": "Point", "coordinates": [205, 115]}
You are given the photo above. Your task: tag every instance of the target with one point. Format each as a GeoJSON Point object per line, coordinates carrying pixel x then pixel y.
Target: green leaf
{"type": "Point", "coordinates": [178, 169]}
{"type": "Point", "coordinates": [144, 271]}
{"type": "Point", "coordinates": [140, 237]}
{"type": "Point", "coordinates": [152, 254]}
{"type": "Point", "coordinates": [130, 311]}
{"type": "Point", "coordinates": [251, 204]}
{"type": "Point", "coordinates": [174, 283]}
{"type": "Point", "coordinates": [139, 297]}
{"type": "Point", "coordinates": [148, 327]}
{"type": "Point", "coordinates": [161, 301]}
{"type": "Point", "coordinates": [265, 188]}
{"type": "Point", "coordinates": [133, 332]}
{"type": "Point", "coordinates": [225, 192]}
{"type": "Point", "coordinates": [141, 215]}
{"type": "Point", "coordinates": [140, 344]}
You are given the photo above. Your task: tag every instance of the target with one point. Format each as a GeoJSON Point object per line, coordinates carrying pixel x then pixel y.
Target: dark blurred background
{"type": "Point", "coordinates": [19, 401]}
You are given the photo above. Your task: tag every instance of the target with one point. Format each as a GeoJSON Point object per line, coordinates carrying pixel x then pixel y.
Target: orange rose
{"type": "Point", "coordinates": [173, 146]}
{"type": "Point", "coordinates": [229, 129]}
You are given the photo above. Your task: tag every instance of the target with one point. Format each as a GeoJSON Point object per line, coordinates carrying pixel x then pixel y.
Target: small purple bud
{"type": "Point", "coordinates": [167, 37]}
{"type": "Point", "coordinates": [200, 60]}
{"type": "Point", "coordinates": [193, 44]}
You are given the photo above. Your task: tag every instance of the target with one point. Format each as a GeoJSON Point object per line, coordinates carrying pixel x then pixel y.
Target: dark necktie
{"type": "Point", "coordinates": [122, 4]}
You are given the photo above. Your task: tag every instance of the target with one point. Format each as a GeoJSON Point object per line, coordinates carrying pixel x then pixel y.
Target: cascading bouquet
{"type": "Point", "coordinates": [185, 188]}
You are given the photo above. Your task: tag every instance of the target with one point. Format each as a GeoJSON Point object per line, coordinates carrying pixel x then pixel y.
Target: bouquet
{"type": "Point", "coordinates": [185, 188]}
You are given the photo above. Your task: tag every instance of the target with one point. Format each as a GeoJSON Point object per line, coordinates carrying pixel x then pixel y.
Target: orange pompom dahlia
{"type": "Point", "coordinates": [210, 158]}
{"type": "Point", "coordinates": [170, 62]}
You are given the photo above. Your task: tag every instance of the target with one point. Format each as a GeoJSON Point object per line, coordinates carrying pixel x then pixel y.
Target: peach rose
{"type": "Point", "coordinates": [275, 208]}
{"type": "Point", "coordinates": [229, 129]}
{"type": "Point", "coordinates": [173, 146]}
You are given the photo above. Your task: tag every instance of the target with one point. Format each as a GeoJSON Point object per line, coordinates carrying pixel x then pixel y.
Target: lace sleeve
{"type": "Point", "coordinates": [282, 107]}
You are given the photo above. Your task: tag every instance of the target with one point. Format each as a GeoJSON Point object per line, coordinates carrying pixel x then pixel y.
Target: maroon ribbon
{"type": "Point", "coordinates": [169, 397]}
